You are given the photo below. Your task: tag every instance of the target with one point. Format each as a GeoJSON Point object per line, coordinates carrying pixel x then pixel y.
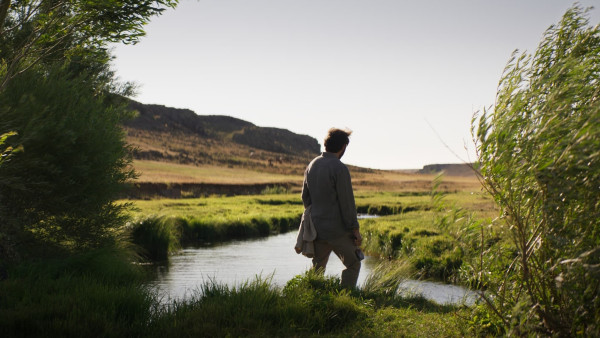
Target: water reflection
{"type": "Point", "coordinates": [438, 292]}
{"type": "Point", "coordinates": [235, 262]}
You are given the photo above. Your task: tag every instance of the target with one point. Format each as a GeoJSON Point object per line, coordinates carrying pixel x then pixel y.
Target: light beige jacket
{"type": "Point", "coordinates": [306, 235]}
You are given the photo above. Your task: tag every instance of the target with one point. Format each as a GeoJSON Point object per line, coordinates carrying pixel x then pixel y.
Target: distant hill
{"type": "Point", "coordinates": [450, 169]}
{"type": "Point", "coordinates": [181, 136]}
{"type": "Point", "coordinates": [153, 117]}
{"type": "Point", "coordinates": [218, 127]}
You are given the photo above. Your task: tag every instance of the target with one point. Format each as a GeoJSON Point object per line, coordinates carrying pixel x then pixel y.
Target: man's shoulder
{"type": "Point", "coordinates": [315, 160]}
{"type": "Point", "coordinates": [326, 158]}
{"type": "Point", "coordinates": [333, 163]}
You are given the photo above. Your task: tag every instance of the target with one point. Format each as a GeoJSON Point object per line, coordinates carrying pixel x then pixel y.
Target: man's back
{"type": "Point", "coordinates": [328, 188]}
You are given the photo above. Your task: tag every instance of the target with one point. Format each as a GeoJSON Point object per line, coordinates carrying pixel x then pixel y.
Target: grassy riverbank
{"type": "Point", "coordinates": [308, 305]}
{"type": "Point", "coordinates": [162, 226]}
{"type": "Point", "coordinates": [415, 227]}
{"type": "Point", "coordinates": [100, 293]}
{"type": "Point", "coordinates": [430, 241]}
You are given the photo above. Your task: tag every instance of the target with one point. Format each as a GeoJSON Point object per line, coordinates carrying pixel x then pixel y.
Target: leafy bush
{"type": "Point", "coordinates": [539, 150]}
{"type": "Point", "coordinates": [73, 161]}
{"type": "Point", "coordinates": [59, 97]}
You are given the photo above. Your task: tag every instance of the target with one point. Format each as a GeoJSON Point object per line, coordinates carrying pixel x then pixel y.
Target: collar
{"type": "Point", "coordinates": [328, 154]}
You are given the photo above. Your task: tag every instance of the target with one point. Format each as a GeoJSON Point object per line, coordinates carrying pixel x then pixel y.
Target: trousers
{"type": "Point", "coordinates": [344, 248]}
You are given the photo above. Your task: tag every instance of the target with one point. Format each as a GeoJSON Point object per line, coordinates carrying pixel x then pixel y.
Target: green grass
{"type": "Point", "coordinates": [428, 237]}
{"type": "Point", "coordinates": [410, 228]}
{"type": "Point", "coordinates": [88, 295]}
{"type": "Point", "coordinates": [389, 203]}
{"type": "Point", "coordinates": [162, 226]}
{"type": "Point", "coordinates": [308, 305]}
{"type": "Point", "coordinates": [222, 209]}
{"type": "Point", "coordinates": [225, 209]}
{"type": "Point", "coordinates": [156, 237]}
{"type": "Point", "coordinates": [100, 293]}
{"type": "Point", "coordinates": [413, 237]}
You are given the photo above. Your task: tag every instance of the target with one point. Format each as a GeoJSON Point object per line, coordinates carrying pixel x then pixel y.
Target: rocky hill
{"type": "Point", "coordinates": [181, 136]}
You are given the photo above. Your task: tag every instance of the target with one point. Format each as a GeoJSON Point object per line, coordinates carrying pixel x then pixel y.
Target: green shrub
{"type": "Point", "coordinates": [539, 150]}
{"type": "Point", "coordinates": [73, 163]}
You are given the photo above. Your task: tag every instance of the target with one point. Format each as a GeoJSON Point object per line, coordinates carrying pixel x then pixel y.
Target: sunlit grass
{"type": "Point", "coordinates": [427, 239]}
{"type": "Point", "coordinates": [264, 206]}
{"type": "Point", "coordinates": [363, 180]}
{"type": "Point", "coordinates": [165, 172]}
{"type": "Point", "coordinates": [222, 208]}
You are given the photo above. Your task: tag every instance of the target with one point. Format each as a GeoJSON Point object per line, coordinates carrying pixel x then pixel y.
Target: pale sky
{"type": "Point", "coordinates": [404, 76]}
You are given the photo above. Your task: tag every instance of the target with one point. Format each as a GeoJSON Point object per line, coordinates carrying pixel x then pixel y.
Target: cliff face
{"type": "Point", "coordinates": [161, 119]}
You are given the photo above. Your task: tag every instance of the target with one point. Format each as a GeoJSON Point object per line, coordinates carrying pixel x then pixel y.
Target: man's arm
{"type": "Point", "coordinates": [305, 194]}
{"type": "Point", "coordinates": [346, 199]}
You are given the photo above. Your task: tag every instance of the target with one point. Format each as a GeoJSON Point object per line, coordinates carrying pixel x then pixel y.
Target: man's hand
{"type": "Point", "coordinates": [357, 237]}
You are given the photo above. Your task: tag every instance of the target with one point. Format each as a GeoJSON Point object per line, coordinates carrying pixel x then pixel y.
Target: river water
{"type": "Point", "coordinates": [272, 257]}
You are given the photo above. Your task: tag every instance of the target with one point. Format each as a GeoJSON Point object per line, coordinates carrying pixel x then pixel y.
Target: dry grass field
{"type": "Point", "coordinates": [363, 179]}
{"type": "Point", "coordinates": [166, 172]}
{"type": "Point", "coordinates": [397, 181]}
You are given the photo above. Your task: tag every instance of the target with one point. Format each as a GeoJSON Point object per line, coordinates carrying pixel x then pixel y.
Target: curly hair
{"type": "Point", "coordinates": [336, 139]}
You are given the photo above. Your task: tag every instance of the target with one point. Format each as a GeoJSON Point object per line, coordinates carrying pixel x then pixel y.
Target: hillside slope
{"type": "Point", "coordinates": [181, 136]}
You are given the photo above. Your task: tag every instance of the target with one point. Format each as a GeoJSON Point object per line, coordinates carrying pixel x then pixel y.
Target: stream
{"type": "Point", "coordinates": [273, 257]}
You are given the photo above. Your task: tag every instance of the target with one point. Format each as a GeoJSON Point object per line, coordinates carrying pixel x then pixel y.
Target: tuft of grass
{"type": "Point", "coordinates": [197, 231]}
{"type": "Point", "coordinates": [275, 190]}
{"type": "Point", "coordinates": [156, 237]}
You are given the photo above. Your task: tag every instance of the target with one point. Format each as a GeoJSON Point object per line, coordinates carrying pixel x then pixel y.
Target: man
{"type": "Point", "coordinates": [327, 189]}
